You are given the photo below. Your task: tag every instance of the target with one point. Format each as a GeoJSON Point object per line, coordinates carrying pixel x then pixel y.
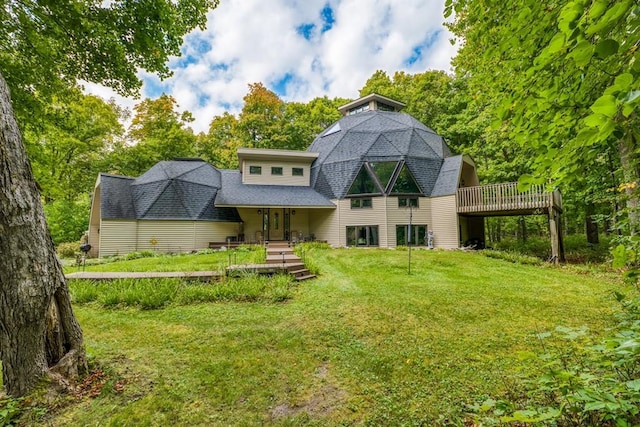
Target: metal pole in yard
{"type": "Point", "coordinates": [409, 235]}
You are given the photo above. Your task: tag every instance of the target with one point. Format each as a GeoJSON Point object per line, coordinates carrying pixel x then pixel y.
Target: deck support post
{"type": "Point", "coordinates": [557, 246]}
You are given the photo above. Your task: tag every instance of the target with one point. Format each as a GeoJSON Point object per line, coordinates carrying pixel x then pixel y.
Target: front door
{"type": "Point", "coordinates": [276, 224]}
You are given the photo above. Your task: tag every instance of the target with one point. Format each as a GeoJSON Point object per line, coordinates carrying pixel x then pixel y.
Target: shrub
{"type": "Point", "coordinates": [514, 257]}
{"type": "Point", "coordinates": [149, 294]}
{"type": "Point", "coordinates": [10, 410]}
{"type": "Point", "coordinates": [68, 249]}
{"type": "Point", "coordinates": [590, 384]}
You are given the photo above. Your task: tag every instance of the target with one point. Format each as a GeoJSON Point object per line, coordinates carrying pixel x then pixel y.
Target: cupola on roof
{"type": "Point", "coordinates": [371, 102]}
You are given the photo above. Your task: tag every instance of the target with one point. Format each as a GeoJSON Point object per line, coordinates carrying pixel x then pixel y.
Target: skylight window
{"type": "Point", "coordinates": [333, 129]}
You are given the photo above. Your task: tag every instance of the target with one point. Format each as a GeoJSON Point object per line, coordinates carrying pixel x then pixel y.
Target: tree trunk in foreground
{"type": "Point", "coordinates": [39, 334]}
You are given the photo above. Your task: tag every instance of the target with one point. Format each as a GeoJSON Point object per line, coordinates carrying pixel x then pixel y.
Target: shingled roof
{"type": "Point", "coordinates": [375, 136]}
{"type": "Point", "coordinates": [179, 189]}
{"type": "Point", "coordinates": [235, 193]}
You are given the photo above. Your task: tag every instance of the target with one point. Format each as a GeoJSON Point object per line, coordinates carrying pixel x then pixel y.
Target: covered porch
{"type": "Point", "coordinates": [262, 224]}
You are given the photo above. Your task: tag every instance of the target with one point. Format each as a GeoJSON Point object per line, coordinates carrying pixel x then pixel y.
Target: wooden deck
{"type": "Point", "coordinates": [505, 199]}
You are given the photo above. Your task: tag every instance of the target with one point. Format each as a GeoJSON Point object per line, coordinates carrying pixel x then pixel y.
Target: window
{"type": "Point", "coordinates": [405, 202]}
{"type": "Point", "coordinates": [358, 109]}
{"type": "Point", "coordinates": [276, 170]}
{"type": "Point", "coordinates": [255, 170]}
{"type": "Point", "coordinates": [385, 107]}
{"type": "Point", "coordinates": [418, 235]}
{"type": "Point", "coordinates": [384, 171]}
{"type": "Point", "coordinates": [297, 172]}
{"type": "Point", "coordinates": [366, 235]}
{"type": "Point", "coordinates": [363, 184]}
{"type": "Point", "coordinates": [360, 203]}
{"type": "Point", "coordinates": [405, 183]}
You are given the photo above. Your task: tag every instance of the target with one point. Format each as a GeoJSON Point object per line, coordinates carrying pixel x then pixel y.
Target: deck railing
{"type": "Point", "coordinates": [505, 197]}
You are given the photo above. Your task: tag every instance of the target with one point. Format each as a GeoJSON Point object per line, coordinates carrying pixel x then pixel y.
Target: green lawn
{"type": "Point", "coordinates": [363, 344]}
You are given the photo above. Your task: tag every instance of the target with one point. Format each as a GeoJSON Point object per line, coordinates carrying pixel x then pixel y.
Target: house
{"type": "Point", "coordinates": [375, 178]}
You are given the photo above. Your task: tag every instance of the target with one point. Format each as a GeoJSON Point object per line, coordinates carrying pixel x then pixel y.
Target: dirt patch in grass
{"type": "Point", "coordinates": [322, 403]}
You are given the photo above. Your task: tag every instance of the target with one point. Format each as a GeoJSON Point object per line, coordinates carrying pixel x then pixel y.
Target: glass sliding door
{"type": "Point", "coordinates": [362, 235]}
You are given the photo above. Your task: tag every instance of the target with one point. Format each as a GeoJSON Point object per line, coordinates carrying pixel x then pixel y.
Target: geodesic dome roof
{"type": "Point", "coordinates": [180, 189]}
{"type": "Point", "coordinates": [377, 152]}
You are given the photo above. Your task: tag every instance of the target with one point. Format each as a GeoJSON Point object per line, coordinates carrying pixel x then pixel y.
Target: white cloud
{"type": "Point", "coordinates": [248, 41]}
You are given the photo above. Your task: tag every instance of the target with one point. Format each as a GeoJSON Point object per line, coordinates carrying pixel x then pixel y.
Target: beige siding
{"type": "Point", "coordinates": [444, 222]}
{"type": "Point", "coordinates": [265, 178]}
{"type": "Point", "coordinates": [375, 215]}
{"type": "Point", "coordinates": [325, 224]}
{"type": "Point", "coordinates": [299, 223]}
{"type": "Point", "coordinates": [183, 236]}
{"type": "Point", "coordinates": [206, 232]}
{"type": "Point", "coordinates": [400, 216]}
{"type": "Point", "coordinates": [252, 223]}
{"type": "Point", "coordinates": [169, 236]}
{"type": "Point", "coordinates": [94, 223]}
{"type": "Point", "coordinates": [117, 237]}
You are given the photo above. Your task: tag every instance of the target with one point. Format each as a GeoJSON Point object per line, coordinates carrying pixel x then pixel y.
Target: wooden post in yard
{"type": "Point", "coordinates": [557, 247]}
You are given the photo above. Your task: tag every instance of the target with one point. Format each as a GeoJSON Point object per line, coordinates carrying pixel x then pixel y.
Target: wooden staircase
{"type": "Point", "coordinates": [281, 253]}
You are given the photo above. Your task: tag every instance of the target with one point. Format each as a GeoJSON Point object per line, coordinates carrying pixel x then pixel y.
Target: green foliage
{"type": "Point", "coordinates": [157, 132]}
{"type": "Point", "coordinates": [266, 122]}
{"type": "Point", "coordinates": [68, 249]}
{"type": "Point", "coordinates": [626, 256]}
{"type": "Point", "coordinates": [67, 220]}
{"type": "Point", "coordinates": [577, 249]}
{"type": "Point", "coordinates": [10, 410]}
{"type": "Point", "coordinates": [204, 260]}
{"type": "Point", "coordinates": [514, 257]}
{"type": "Point", "coordinates": [306, 252]}
{"type": "Point", "coordinates": [150, 294]}
{"type": "Point", "coordinates": [43, 46]}
{"type": "Point", "coordinates": [565, 89]}
{"type": "Point", "coordinates": [584, 382]}
{"type": "Point", "coordinates": [68, 144]}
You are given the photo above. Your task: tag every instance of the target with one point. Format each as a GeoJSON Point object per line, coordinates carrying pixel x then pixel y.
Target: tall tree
{"type": "Point", "coordinates": [158, 131]}
{"type": "Point", "coordinates": [261, 120]}
{"type": "Point", "coordinates": [44, 47]}
{"type": "Point", "coordinates": [303, 122]}
{"type": "Point", "coordinates": [562, 78]}
{"type": "Point", "coordinates": [68, 145]}
{"type": "Point", "coordinates": [219, 146]}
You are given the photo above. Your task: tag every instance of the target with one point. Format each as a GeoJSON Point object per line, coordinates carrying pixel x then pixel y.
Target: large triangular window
{"type": "Point", "coordinates": [384, 171]}
{"type": "Point", "coordinates": [363, 184]}
{"type": "Point", "coordinates": [405, 183]}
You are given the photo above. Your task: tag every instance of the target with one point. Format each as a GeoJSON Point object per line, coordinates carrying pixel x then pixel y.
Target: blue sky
{"type": "Point", "coordinates": [300, 49]}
